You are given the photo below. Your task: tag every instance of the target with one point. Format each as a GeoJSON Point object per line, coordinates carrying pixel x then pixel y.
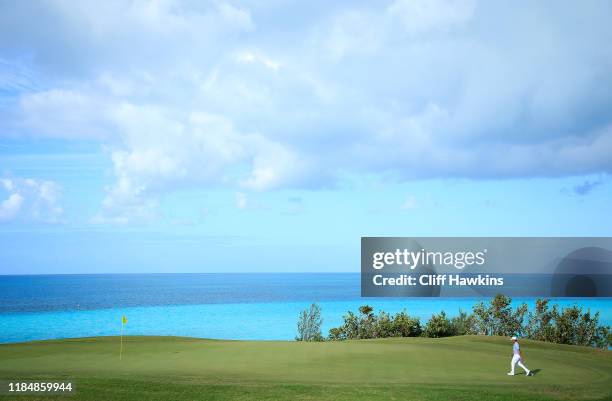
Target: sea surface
{"type": "Point", "coordinates": [253, 306]}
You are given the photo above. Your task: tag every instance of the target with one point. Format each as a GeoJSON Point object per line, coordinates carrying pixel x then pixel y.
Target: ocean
{"type": "Point", "coordinates": [248, 306]}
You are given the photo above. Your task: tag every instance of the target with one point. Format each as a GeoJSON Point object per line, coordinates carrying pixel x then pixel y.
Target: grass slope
{"type": "Point", "coordinates": [172, 368]}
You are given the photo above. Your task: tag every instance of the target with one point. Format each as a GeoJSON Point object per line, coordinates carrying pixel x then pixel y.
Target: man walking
{"type": "Point", "coordinates": [517, 358]}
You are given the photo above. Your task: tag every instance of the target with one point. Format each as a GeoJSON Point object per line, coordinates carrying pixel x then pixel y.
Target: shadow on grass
{"type": "Point", "coordinates": [535, 371]}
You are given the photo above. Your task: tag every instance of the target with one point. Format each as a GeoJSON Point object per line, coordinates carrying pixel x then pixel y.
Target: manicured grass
{"type": "Point", "coordinates": [172, 368]}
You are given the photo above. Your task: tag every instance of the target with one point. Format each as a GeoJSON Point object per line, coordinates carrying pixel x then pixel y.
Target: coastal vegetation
{"type": "Point", "coordinates": [570, 325]}
{"type": "Point", "coordinates": [309, 324]}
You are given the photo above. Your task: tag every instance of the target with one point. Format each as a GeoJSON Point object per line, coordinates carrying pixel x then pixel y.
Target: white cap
{"type": "Point", "coordinates": [513, 338]}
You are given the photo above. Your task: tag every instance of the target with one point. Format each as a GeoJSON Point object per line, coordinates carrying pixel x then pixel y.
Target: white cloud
{"type": "Point", "coordinates": [250, 58]}
{"type": "Point", "coordinates": [354, 32]}
{"type": "Point", "coordinates": [418, 16]}
{"type": "Point", "coordinates": [241, 200]}
{"type": "Point", "coordinates": [192, 94]}
{"type": "Point", "coordinates": [8, 184]}
{"type": "Point", "coordinates": [410, 203]}
{"type": "Point", "coordinates": [367, 32]}
{"type": "Point", "coordinates": [10, 207]}
{"type": "Point", "coordinates": [274, 166]}
{"type": "Point", "coordinates": [64, 113]}
{"type": "Point", "coordinates": [165, 148]}
{"type": "Point", "coordinates": [31, 199]}
{"type": "Point", "coordinates": [236, 16]}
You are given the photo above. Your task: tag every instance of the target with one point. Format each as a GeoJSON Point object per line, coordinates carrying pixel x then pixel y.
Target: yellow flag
{"type": "Point", "coordinates": [124, 319]}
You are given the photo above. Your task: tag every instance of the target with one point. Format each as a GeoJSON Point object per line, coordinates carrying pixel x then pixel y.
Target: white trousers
{"type": "Point", "coordinates": [517, 360]}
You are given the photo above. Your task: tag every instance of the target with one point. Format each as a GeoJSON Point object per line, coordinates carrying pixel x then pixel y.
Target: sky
{"type": "Point", "coordinates": [269, 136]}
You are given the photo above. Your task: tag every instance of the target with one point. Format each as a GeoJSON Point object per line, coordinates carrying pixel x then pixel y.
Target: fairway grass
{"type": "Point", "coordinates": [176, 368]}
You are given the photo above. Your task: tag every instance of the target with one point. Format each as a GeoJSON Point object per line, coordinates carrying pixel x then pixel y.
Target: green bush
{"type": "Point", "coordinates": [565, 326]}
{"type": "Point", "coordinates": [498, 318]}
{"type": "Point", "coordinates": [439, 326]}
{"type": "Point", "coordinates": [405, 325]}
{"type": "Point", "coordinates": [368, 325]}
{"type": "Point", "coordinates": [309, 324]}
{"type": "Point", "coordinates": [463, 324]}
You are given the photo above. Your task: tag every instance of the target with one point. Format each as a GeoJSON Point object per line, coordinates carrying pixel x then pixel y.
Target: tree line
{"type": "Point", "coordinates": [569, 325]}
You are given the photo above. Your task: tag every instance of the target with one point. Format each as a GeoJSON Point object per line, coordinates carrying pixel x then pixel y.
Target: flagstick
{"type": "Point", "coordinates": [121, 349]}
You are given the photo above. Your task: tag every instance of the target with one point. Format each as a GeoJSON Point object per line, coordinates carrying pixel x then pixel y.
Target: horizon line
{"type": "Point", "coordinates": [135, 273]}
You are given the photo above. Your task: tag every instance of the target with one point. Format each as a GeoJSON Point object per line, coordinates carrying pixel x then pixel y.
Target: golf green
{"type": "Point", "coordinates": [174, 368]}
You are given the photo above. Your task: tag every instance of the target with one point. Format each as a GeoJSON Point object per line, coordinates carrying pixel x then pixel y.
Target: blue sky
{"type": "Point", "coordinates": [180, 136]}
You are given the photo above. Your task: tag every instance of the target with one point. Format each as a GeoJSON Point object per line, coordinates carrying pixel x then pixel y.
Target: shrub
{"type": "Point", "coordinates": [565, 326]}
{"type": "Point", "coordinates": [309, 324]}
{"type": "Point", "coordinates": [540, 322]}
{"type": "Point", "coordinates": [368, 325]}
{"type": "Point", "coordinates": [383, 327]}
{"type": "Point", "coordinates": [337, 334]}
{"type": "Point", "coordinates": [406, 326]}
{"type": "Point", "coordinates": [603, 338]}
{"type": "Point", "coordinates": [438, 326]}
{"type": "Point", "coordinates": [463, 324]}
{"type": "Point", "coordinates": [498, 318]}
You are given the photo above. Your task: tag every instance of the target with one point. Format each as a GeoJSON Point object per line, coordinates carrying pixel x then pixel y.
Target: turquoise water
{"type": "Point", "coordinates": [256, 308]}
{"type": "Point", "coordinates": [240, 321]}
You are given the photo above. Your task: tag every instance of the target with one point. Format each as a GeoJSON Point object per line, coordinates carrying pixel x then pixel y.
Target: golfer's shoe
{"type": "Point", "coordinates": [529, 373]}
{"type": "Point", "coordinates": [510, 374]}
